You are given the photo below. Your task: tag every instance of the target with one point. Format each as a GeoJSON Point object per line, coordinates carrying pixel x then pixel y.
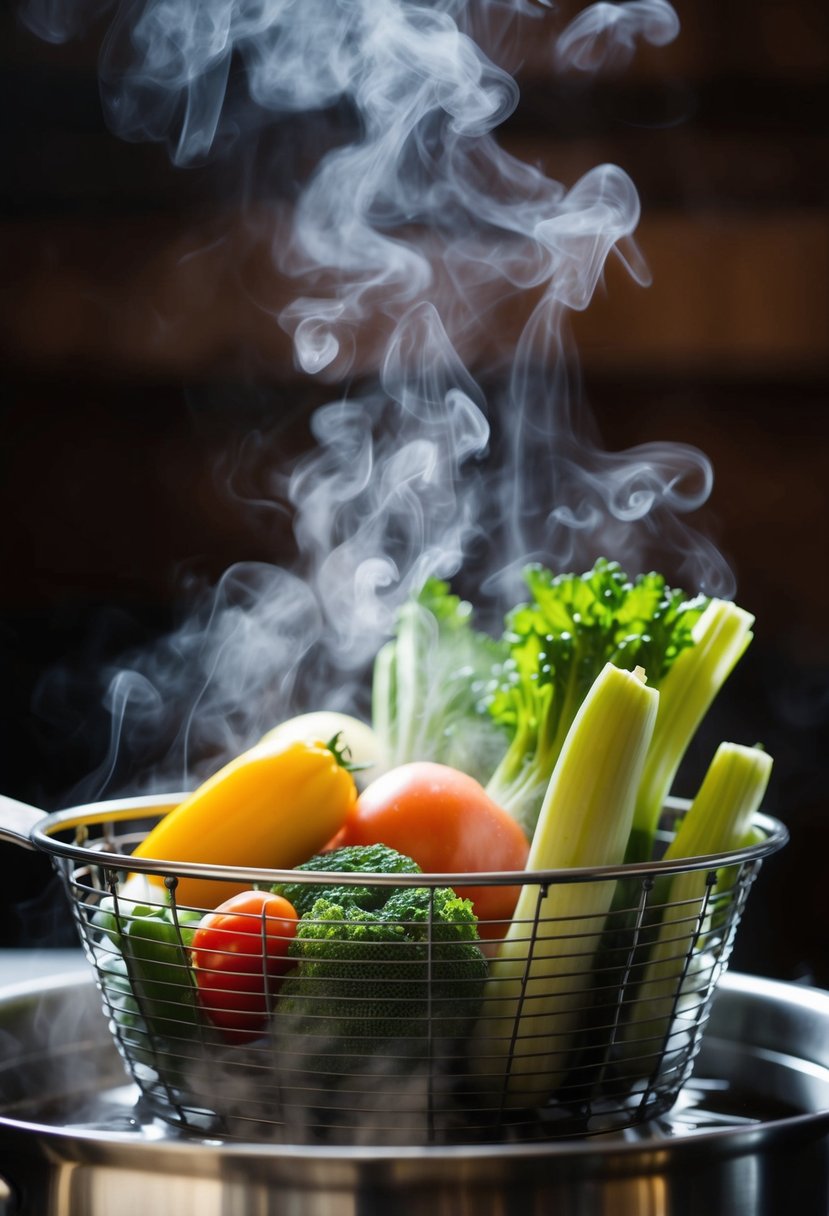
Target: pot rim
{"type": "Point", "coordinates": [94, 1146]}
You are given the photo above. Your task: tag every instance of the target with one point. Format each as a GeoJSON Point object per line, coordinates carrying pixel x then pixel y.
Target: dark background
{"type": "Point", "coordinates": [145, 394]}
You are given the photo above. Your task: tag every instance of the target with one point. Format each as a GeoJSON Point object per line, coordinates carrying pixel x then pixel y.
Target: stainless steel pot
{"type": "Point", "coordinates": [749, 1136]}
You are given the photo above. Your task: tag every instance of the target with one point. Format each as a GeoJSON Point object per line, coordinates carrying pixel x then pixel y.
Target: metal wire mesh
{"type": "Point", "coordinates": [412, 1034]}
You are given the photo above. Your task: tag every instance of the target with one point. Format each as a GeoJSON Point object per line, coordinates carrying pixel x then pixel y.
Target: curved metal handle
{"type": "Point", "coordinates": [17, 820]}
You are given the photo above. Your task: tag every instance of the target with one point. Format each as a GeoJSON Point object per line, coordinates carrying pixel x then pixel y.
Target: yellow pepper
{"type": "Point", "coordinates": [274, 807]}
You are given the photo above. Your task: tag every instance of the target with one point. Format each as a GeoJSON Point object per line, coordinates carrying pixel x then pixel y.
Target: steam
{"type": "Point", "coordinates": [421, 248]}
{"type": "Point", "coordinates": [606, 35]}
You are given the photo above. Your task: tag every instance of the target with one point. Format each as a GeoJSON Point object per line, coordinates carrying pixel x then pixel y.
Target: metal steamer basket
{"type": "Point", "coordinates": [403, 1045]}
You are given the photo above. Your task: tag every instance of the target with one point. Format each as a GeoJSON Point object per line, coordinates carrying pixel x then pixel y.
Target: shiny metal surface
{"type": "Point", "coordinates": [29, 827]}
{"type": "Point", "coordinates": [749, 1137]}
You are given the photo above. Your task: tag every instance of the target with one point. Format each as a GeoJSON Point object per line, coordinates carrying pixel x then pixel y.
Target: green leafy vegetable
{"type": "Point", "coordinates": [500, 709]}
{"type": "Point", "coordinates": [429, 687]}
{"type": "Point", "coordinates": [558, 643]}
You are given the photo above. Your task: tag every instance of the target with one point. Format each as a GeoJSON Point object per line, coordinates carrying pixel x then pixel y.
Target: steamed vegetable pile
{"type": "Point", "coordinates": [553, 745]}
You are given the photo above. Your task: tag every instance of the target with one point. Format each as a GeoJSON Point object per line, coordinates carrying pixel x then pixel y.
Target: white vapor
{"type": "Point", "coordinates": [417, 231]}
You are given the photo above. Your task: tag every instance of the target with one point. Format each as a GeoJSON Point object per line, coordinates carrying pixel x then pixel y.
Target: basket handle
{"type": "Point", "coordinates": [17, 820]}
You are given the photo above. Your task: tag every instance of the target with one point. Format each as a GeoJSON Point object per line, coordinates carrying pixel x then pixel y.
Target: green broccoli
{"type": "Point", "coordinates": [384, 981]}
{"type": "Point", "coordinates": [351, 859]}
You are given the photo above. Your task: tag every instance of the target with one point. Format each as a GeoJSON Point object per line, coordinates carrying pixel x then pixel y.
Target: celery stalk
{"type": "Point", "coordinates": [383, 699]}
{"type": "Point", "coordinates": [720, 637]}
{"type": "Point", "coordinates": [427, 686]}
{"type": "Point", "coordinates": [413, 645]}
{"type": "Point", "coordinates": [401, 685]}
{"type": "Point", "coordinates": [539, 979]}
{"type": "Point", "coordinates": [719, 820]}
{"type": "Point", "coordinates": [721, 815]}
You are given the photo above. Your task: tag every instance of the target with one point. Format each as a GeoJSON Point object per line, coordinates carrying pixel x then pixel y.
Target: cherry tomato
{"type": "Point", "coordinates": [446, 822]}
{"type": "Point", "coordinates": [235, 978]}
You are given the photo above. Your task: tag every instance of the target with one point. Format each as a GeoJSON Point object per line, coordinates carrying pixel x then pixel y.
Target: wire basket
{"type": "Point", "coordinates": [418, 1037]}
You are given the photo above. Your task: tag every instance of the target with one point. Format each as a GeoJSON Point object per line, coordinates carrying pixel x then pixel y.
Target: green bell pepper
{"type": "Point", "coordinates": [152, 944]}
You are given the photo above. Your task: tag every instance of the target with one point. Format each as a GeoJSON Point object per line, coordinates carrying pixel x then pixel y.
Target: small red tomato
{"type": "Point", "coordinates": [239, 951]}
{"type": "Point", "coordinates": [446, 822]}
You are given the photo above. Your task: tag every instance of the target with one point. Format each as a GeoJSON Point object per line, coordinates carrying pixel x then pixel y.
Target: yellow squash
{"type": "Point", "coordinates": [356, 739]}
{"type": "Point", "coordinates": [274, 806]}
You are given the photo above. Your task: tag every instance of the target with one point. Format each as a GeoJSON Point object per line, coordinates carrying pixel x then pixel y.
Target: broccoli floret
{"type": "Point", "coordinates": [351, 859]}
{"type": "Point", "coordinates": [378, 980]}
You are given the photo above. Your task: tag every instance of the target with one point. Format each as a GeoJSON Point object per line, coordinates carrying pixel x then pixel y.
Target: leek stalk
{"type": "Point", "coordinates": [540, 978]}
{"type": "Point", "coordinates": [720, 637]}
{"type": "Point", "coordinates": [719, 820]}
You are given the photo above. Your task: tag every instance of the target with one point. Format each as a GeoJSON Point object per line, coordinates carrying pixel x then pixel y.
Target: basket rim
{"type": "Point", "coordinates": [43, 836]}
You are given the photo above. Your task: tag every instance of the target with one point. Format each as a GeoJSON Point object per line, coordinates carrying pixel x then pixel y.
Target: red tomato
{"type": "Point", "coordinates": [236, 979]}
{"type": "Point", "coordinates": [446, 822]}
